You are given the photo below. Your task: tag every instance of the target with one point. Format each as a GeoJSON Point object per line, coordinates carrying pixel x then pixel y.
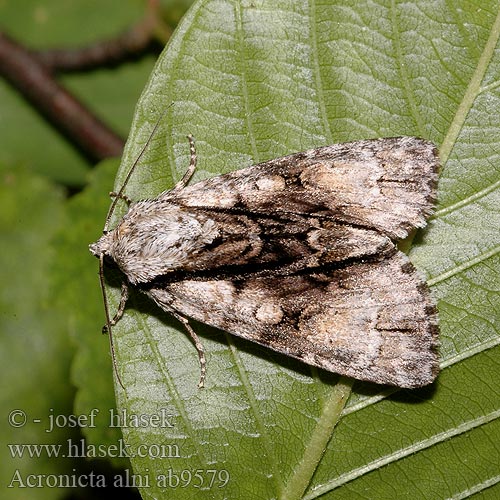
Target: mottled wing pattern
{"type": "Point", "coordinates": [384, 184]}
{"type": "Point", "coordinates": [297, 254]}
{"type": "Point", "coordinates": [370, 320]}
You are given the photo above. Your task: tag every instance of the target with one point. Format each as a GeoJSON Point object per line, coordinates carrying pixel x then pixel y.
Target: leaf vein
{"type": "Point", "coordinates": [463, 267]}
{"type": "Point", "coordinates": [402, 453]}
{"type": "Point", "coordinates": [472, 91]}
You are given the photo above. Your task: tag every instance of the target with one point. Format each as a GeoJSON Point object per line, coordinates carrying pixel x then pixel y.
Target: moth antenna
{"type": "Point", "coordinates": [119, 194]}
{"type": "Point", "coordinates": [108, 320]}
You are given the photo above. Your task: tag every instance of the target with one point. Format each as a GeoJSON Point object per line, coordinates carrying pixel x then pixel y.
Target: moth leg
{"type": "Point", "coordinates": [198, 345]}
{"type": "Point", "coordinates": [192, 166]}
{"type": "Point", "coordinates": [121, 307]}
{"type": "Point", "coordinates": [121, 196]}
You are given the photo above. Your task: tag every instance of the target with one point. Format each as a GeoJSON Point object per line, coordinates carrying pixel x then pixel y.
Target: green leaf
{"type": "Point", "coordinates": [254, 80]}
{"type": "Point", "coordinates": [35, 353]}
{"type": "Point", "coordinates": [76, 285]}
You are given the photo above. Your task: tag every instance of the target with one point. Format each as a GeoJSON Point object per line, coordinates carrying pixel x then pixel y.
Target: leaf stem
{"type": "Point", "coordinates": [318, 441]}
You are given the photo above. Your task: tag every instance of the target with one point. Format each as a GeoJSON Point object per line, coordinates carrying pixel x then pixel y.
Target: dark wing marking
{"type": "Point", "coordinates": [373, 321]}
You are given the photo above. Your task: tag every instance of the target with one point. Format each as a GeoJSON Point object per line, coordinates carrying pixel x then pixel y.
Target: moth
{"type": "Point", "coordinates": [297, 254]}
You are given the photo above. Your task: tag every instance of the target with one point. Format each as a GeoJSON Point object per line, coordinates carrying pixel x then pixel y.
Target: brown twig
{"type": "Point", "coordinates": [131, 43]}
{"type": "Point", "coordinates": [32, 74]}
{"type": "Point", "coordinates": [35, 82]}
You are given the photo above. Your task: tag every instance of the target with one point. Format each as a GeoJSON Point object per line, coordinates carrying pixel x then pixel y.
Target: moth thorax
{"type": "Point", "coordinates": [145, 248]}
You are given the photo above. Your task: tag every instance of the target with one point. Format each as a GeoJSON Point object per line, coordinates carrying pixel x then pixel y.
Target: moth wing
{"type": "Point", "coordinates": [385, 184]}
{"type": "Point", "coordinates": [372, 321]}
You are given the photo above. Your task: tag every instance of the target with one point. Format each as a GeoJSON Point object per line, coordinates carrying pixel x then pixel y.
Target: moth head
{"type": "Point", "coordinates": [101, 246]}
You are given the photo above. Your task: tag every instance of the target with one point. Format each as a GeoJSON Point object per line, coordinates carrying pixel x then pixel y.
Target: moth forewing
{"type": "Point", "coordinates": [297, 254]}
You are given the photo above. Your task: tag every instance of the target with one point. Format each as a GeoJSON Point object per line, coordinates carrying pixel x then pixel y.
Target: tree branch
{"type": "Point", "coordinates": [131, 43]}
{"type": "Point", "coordinates": [32, 74]}
{"type": "Point", "coordinates": [37, 84]}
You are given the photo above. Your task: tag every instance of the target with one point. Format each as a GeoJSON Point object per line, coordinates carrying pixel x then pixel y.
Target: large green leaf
{"type": "Point", "coordinates": [253, 80]}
